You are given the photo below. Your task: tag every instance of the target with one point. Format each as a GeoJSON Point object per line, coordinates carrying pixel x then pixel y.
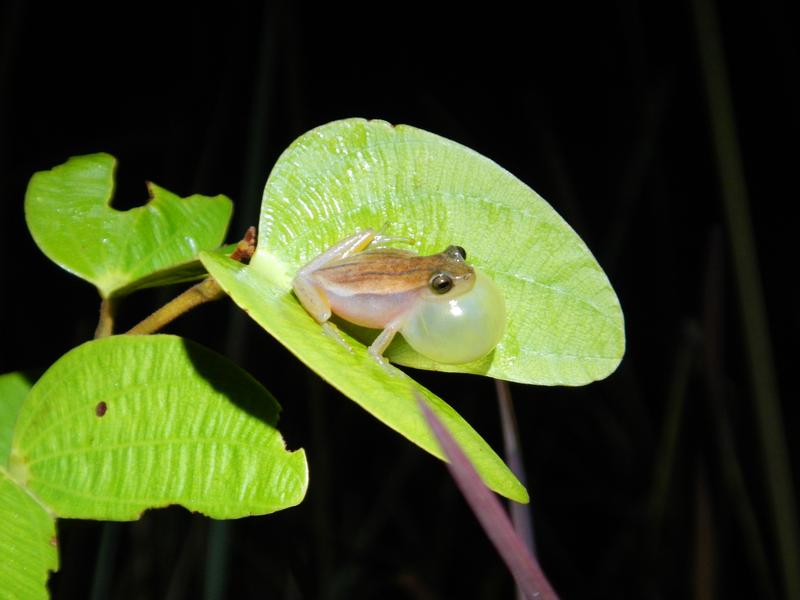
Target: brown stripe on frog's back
{"type": "Point", "coordinates": [388, 271]}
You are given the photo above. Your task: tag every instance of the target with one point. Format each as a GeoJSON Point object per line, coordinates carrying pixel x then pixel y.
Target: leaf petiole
{"type": "Point", "coordinates": [105, 323]}
{"type": "Point", "coordinates": [207, 290]}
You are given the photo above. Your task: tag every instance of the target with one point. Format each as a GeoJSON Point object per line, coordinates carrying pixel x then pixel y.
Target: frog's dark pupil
{"type": "Point", "coordinates": [462, 252]}
{"type": "Point", "coordinates": [441, 283]}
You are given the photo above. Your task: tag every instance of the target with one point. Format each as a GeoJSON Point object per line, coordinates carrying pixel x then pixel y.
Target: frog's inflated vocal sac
{"type": "Point", "coordinates": [443, 307]}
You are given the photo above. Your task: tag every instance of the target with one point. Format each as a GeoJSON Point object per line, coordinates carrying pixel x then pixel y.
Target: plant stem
{"type": "Point", "coordinates": [520, 513]}
{"type": "Point", "coordinates": [103, 580]}
{"type": "Point", "coordinates": [217, 557]}
{"type": "Point", "coordinates": [207, 290]}
{"type": "Point", "coordinates": [778, 474]}
{"type": "Point", "coordinates": [490, 514]}
{"type": "Point", "coordinates": [105, 324]}
{"type": "Point", "coordinates": [704, 567]}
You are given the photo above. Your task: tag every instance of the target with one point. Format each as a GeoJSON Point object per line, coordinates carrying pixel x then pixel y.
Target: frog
{"type": "Point", "coordinates": [445, 309]}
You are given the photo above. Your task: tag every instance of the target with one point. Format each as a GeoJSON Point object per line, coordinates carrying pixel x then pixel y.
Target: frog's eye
{"type": "Point", "coordinates": [441, 283]}
{"type": "Point", "coordinates": [457, 252]}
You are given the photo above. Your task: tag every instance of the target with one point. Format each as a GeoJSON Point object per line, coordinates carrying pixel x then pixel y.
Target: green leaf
{"type": "Point", "coordinates": [126, 423]}
{"type": "Point", "coordinates": [387, 397]}
{"type": "Point", "coordinates": [27, 542]}
{"type": "Point", "coordinates": [565, 324]}
{"type": "Point", "coordinates": [69, 215]}
{"type": "Point", "coordinates": [14, 388]}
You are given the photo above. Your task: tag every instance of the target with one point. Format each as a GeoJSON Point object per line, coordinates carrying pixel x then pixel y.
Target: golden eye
{"type": "Point", "coordinates": [441, 283]}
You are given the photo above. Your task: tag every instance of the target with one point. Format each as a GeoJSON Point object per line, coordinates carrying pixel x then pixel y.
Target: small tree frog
{"type": "Point", "coordinates": [443, 307]}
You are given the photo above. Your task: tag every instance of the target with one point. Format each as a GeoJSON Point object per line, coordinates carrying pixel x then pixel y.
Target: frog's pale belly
{"type": "Point", "coordinates": [372, 310]}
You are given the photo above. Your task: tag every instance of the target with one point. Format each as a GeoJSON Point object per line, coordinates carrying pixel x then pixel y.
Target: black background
{"type": "Point", "coordinates": [599, 107]}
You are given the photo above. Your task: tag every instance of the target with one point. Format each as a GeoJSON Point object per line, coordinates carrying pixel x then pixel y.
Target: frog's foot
{"type": "Point", "coordinates": [332, 332]}
{"type": "Point", "coordinates": [382, 240]}
{"type": "Point", "coordinates": [388, 367]}
{"type": "Point", "coordinates": [386, 241]}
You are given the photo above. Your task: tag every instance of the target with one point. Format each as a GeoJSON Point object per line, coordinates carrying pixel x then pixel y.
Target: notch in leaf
{"type": "Point", "coordinates": [68, 211]}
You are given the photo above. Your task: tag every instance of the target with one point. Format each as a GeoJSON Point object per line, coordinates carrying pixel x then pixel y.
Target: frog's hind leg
{"type": "Point", "coordinates": [315, 302]}
{"type": "Point", "coordinates": [317, 305]}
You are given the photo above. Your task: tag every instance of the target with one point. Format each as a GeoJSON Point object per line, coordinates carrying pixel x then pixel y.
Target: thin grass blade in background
{"type": "Point", "coordinates": [736, 205]}
{"type": "Point", "coordinates": [718, 395]}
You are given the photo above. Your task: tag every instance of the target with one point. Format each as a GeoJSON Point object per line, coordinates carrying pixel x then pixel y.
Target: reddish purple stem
{"type": "Point", "coordinates": [494, 520]}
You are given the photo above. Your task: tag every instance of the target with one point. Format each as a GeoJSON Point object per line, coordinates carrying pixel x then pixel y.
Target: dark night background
{"type": "Point", "coordinates": [650, 484]}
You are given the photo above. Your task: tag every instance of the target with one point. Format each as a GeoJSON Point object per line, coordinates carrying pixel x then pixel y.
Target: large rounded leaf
{"type": "Point", "coordinates": [565, 325]}
{"type": "Point", "coordinates": [69, 215]}
{"type": "Point", "coordinates": [126, 423]}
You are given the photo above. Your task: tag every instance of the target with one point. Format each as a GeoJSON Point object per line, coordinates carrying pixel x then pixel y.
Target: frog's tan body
{"type": "Point", "coordinates": [376, 287]}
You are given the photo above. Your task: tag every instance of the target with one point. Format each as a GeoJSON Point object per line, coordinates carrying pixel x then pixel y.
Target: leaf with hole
{"type": "Point", "coordinates": [69, 214]}
{"type": "Point", "coordinates": [127, 423]}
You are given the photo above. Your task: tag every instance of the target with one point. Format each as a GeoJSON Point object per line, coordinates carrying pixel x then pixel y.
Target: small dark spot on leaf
{"type": "Point", "coordinates": [100, 409]}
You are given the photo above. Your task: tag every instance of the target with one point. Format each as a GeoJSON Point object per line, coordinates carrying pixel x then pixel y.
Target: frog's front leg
{"type": "Point", "coordinates": [381, 343]}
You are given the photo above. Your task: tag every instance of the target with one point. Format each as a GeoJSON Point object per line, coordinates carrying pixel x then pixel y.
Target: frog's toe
{"type": "Point", "coordinates": [388, 367]}
{"type": "Point", "coordinates": [333, 332]}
